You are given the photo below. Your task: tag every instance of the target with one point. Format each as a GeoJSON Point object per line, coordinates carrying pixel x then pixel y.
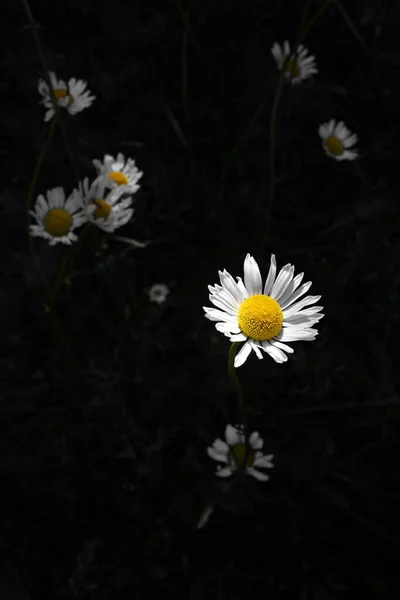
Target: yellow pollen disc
{"type": "Point", "coordinates": [260, 317]}
{"type": "Point", "coordinates": [292, 67]}
{"type": "Point", "coordinates": [119, 178]}
{"type": "Point", "coordinates": [58, 222]}
{"type": "Point", "coordinates": [103, 209]}
{"type": "Point", "coordinates": [62, 93]}
{"type": "Point", "coordinates": [334, 145]}
{"type": "Point", "coordinates": [237, 455]}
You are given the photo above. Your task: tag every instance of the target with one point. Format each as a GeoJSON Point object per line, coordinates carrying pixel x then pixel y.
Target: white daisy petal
{"type": "Point", "coordinates": [252, 276]}
{"type": "Point", "coordinates": [257, 474]}
{"type": "Point", "coordinates": [218, 456]}
{"type": "Point", "coordinates": [293, 297]}
{"type": "Point", "coordinates": [275, 352]}
{"type": "Point", "coordinates": [271, 276]}
{"type": "Point", "coordinates": [255, 441]}
{"type": "Point", "coordinates": [232, 435]}
{"type": "Point", "coordinates": [224, 472]}
{"type": "Point", "coordinates": [243, 354]}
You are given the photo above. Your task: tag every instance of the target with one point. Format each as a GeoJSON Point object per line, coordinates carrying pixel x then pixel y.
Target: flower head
{"type": "Point", "coordinates": [233, 454]}
{"type": "Point", "coordinates": [158, 293]}
{"type": "Point", "coordinates": [103, 207]}
{"type": "Point", "coordinates": [71, 96]}
{"type": "Point", "coordinates": [337, 140]}
{"type": "Point", "coordinates": [263, 318]}
{"type": "Point", "coordinates": [57, 217]}
{"type": "Point", "coordinates": [296, 67]}
{"type": "Point", "coordinates": [119, 171]}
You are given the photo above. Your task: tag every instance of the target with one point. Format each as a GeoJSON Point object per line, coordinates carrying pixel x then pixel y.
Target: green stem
{"type": "Point", "coordinates": [31, 191]}
{"type": "Point", "coordinates": [45, 70]}
{"type": "Point", "coordinates": [240, 395]}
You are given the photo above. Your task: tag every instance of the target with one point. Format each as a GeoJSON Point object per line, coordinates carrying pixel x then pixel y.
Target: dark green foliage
{"type": "Point", "coordinates": [110, 402]}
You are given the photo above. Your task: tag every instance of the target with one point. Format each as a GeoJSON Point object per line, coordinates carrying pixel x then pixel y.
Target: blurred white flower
{"type": "Point", "coordinates": [296, 67]}
{"type": "Point", "coordinates": [232, 453]}
{"type": "Point", "coordinates": [103, 207]}
{"type": "Point", "coordinates": [119, 171]}
{"type": "Point", "coordinates": [158, 293]}
{"type": "Point", "coordinates": [337, 140]}
{"type": "Point", "coordinates": [266, 317]}
{"type": "Point", "coordinates": [57, 217]}
{"type": "Point", "coordinates": [71, 95]}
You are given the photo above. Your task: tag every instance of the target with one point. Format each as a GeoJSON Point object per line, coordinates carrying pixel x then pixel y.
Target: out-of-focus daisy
{"type": "Point", "coordinates": [296, 67]}
{"type": "Point", "coordinates": [337, 140]}
{"type": "Point", "coordinates": [71, 96]}
{"type": "Point", "coordinates": [119, 171]}
{"type": "Point", "coordinates": [232, 453]}
{"type": "Point", "coordinates": [104, 207]}
{"type": "Point", "coordinates": [263, 318]}
{"type": "Point", "coordinates": [158, 293]}
{"type": "Point", "coordinates": [57, 217]}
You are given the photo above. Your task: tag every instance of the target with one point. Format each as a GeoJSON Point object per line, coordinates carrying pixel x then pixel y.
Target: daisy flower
{"type": "Point", "coordinates": [103, 207]}
{"type": "Point", "coordinates": [71, 96]}
{"type": "Point", "coordinates": [158, 293]}
{"type": "Point", "coordinates": [119, 171]}
{"type": "Point", "coordinates": [263, 318]}
{"type": "Point", "coordinates": [296, 67]}
{"type": "Point", "coordinates": [232, 453]}
{"type": "Point", "coordinates": [337, 140]}
{"type": "Point", "coordinates": [56, 217]}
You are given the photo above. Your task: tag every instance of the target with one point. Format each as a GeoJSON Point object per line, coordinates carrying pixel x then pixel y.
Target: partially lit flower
{"type": "Point", "coordinates": [158, 293]}
{"type": "Point", "coordinates": [296, 67]}
{"type": "Point", "coordinates": [263, 318]}
{"type": "Point", "coordinates": [105, 208]}
{"type": "Point", "coordinates": [232, 453]}
{"type": "Point", "coordinates": [71, 96]}
{"type": "Point", "coordinates": [337, 140]}
{"type": "Point", "coordinates": [57, 217]}
{"type": "Point", "coordinates": [119, 171]}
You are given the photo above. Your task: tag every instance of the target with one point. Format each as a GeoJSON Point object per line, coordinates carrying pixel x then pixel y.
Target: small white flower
{"type": "Point", "coordinates": [296, 67]}
{"type": "Point", "coordinates": [120, 171]}
{"type": "Point", "coordinates": [158, 293]}
{"type": "Point", "coordinates": [103, 207]}
{"type": "Point", "coordinates": [71, 96]}
{"type": "Point", "coordinates": [337, 140]}
{"type": "Point", "coordinates": [56, 217]}
{"type": "Point", "coordinates": [266, 317]}
{"type": "Point", "coordinates": [232, 453]}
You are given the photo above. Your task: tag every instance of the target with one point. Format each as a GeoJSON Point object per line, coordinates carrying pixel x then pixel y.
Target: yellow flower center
{"type": "Point", "coordinates": [63, 93]}
{"type": "Point", "coordinates": [292, 67]}
{"type": "Point", "coordinates": [334, 145]}
{"type": "Point", "coordinates": [237, 455]}
{"type": "Point", "coordinates": [58, 222]}
{"type": "Point", "coordinates": [102, 210]}
{"type": "Point", "coordinates": [260, 317]}
{"type": "Point", "coordinates": [119, 178]}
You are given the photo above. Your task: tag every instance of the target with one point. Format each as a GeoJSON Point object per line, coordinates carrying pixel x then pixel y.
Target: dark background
{"type": "Point", "coordinates": [109, 402]}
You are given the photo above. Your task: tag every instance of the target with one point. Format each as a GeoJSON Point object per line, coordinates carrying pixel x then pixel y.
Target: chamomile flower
{"type": "Point", "coordinates": [264, 318]}
{"type": "Point", "coordinates": [119, 171]}
{"type": "Point", "coordinates": [337, 140]}
{"type": "Point", "coordinates": [103, 207]}
{"type": "Point", "coordinates": [232, 452]}
{"type": "Point", "coordinates": [57, 217]}
{"type": "Point", "coordinates": [71, 95]}
{"type": "Point", "coordinates": [158, 293]}
{"type": "Point", "coordinates": [296, 67]}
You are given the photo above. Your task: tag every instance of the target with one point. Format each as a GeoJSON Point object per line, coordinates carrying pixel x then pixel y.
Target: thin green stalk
{"type": "Point", "coordinates": [45, 70]}
{"type": "Point", "coordinates": [314, 19]}
{"type": "Point", "coordinates": [31, 191]}
{"type": "Point", "coordinates": [240, 395]}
